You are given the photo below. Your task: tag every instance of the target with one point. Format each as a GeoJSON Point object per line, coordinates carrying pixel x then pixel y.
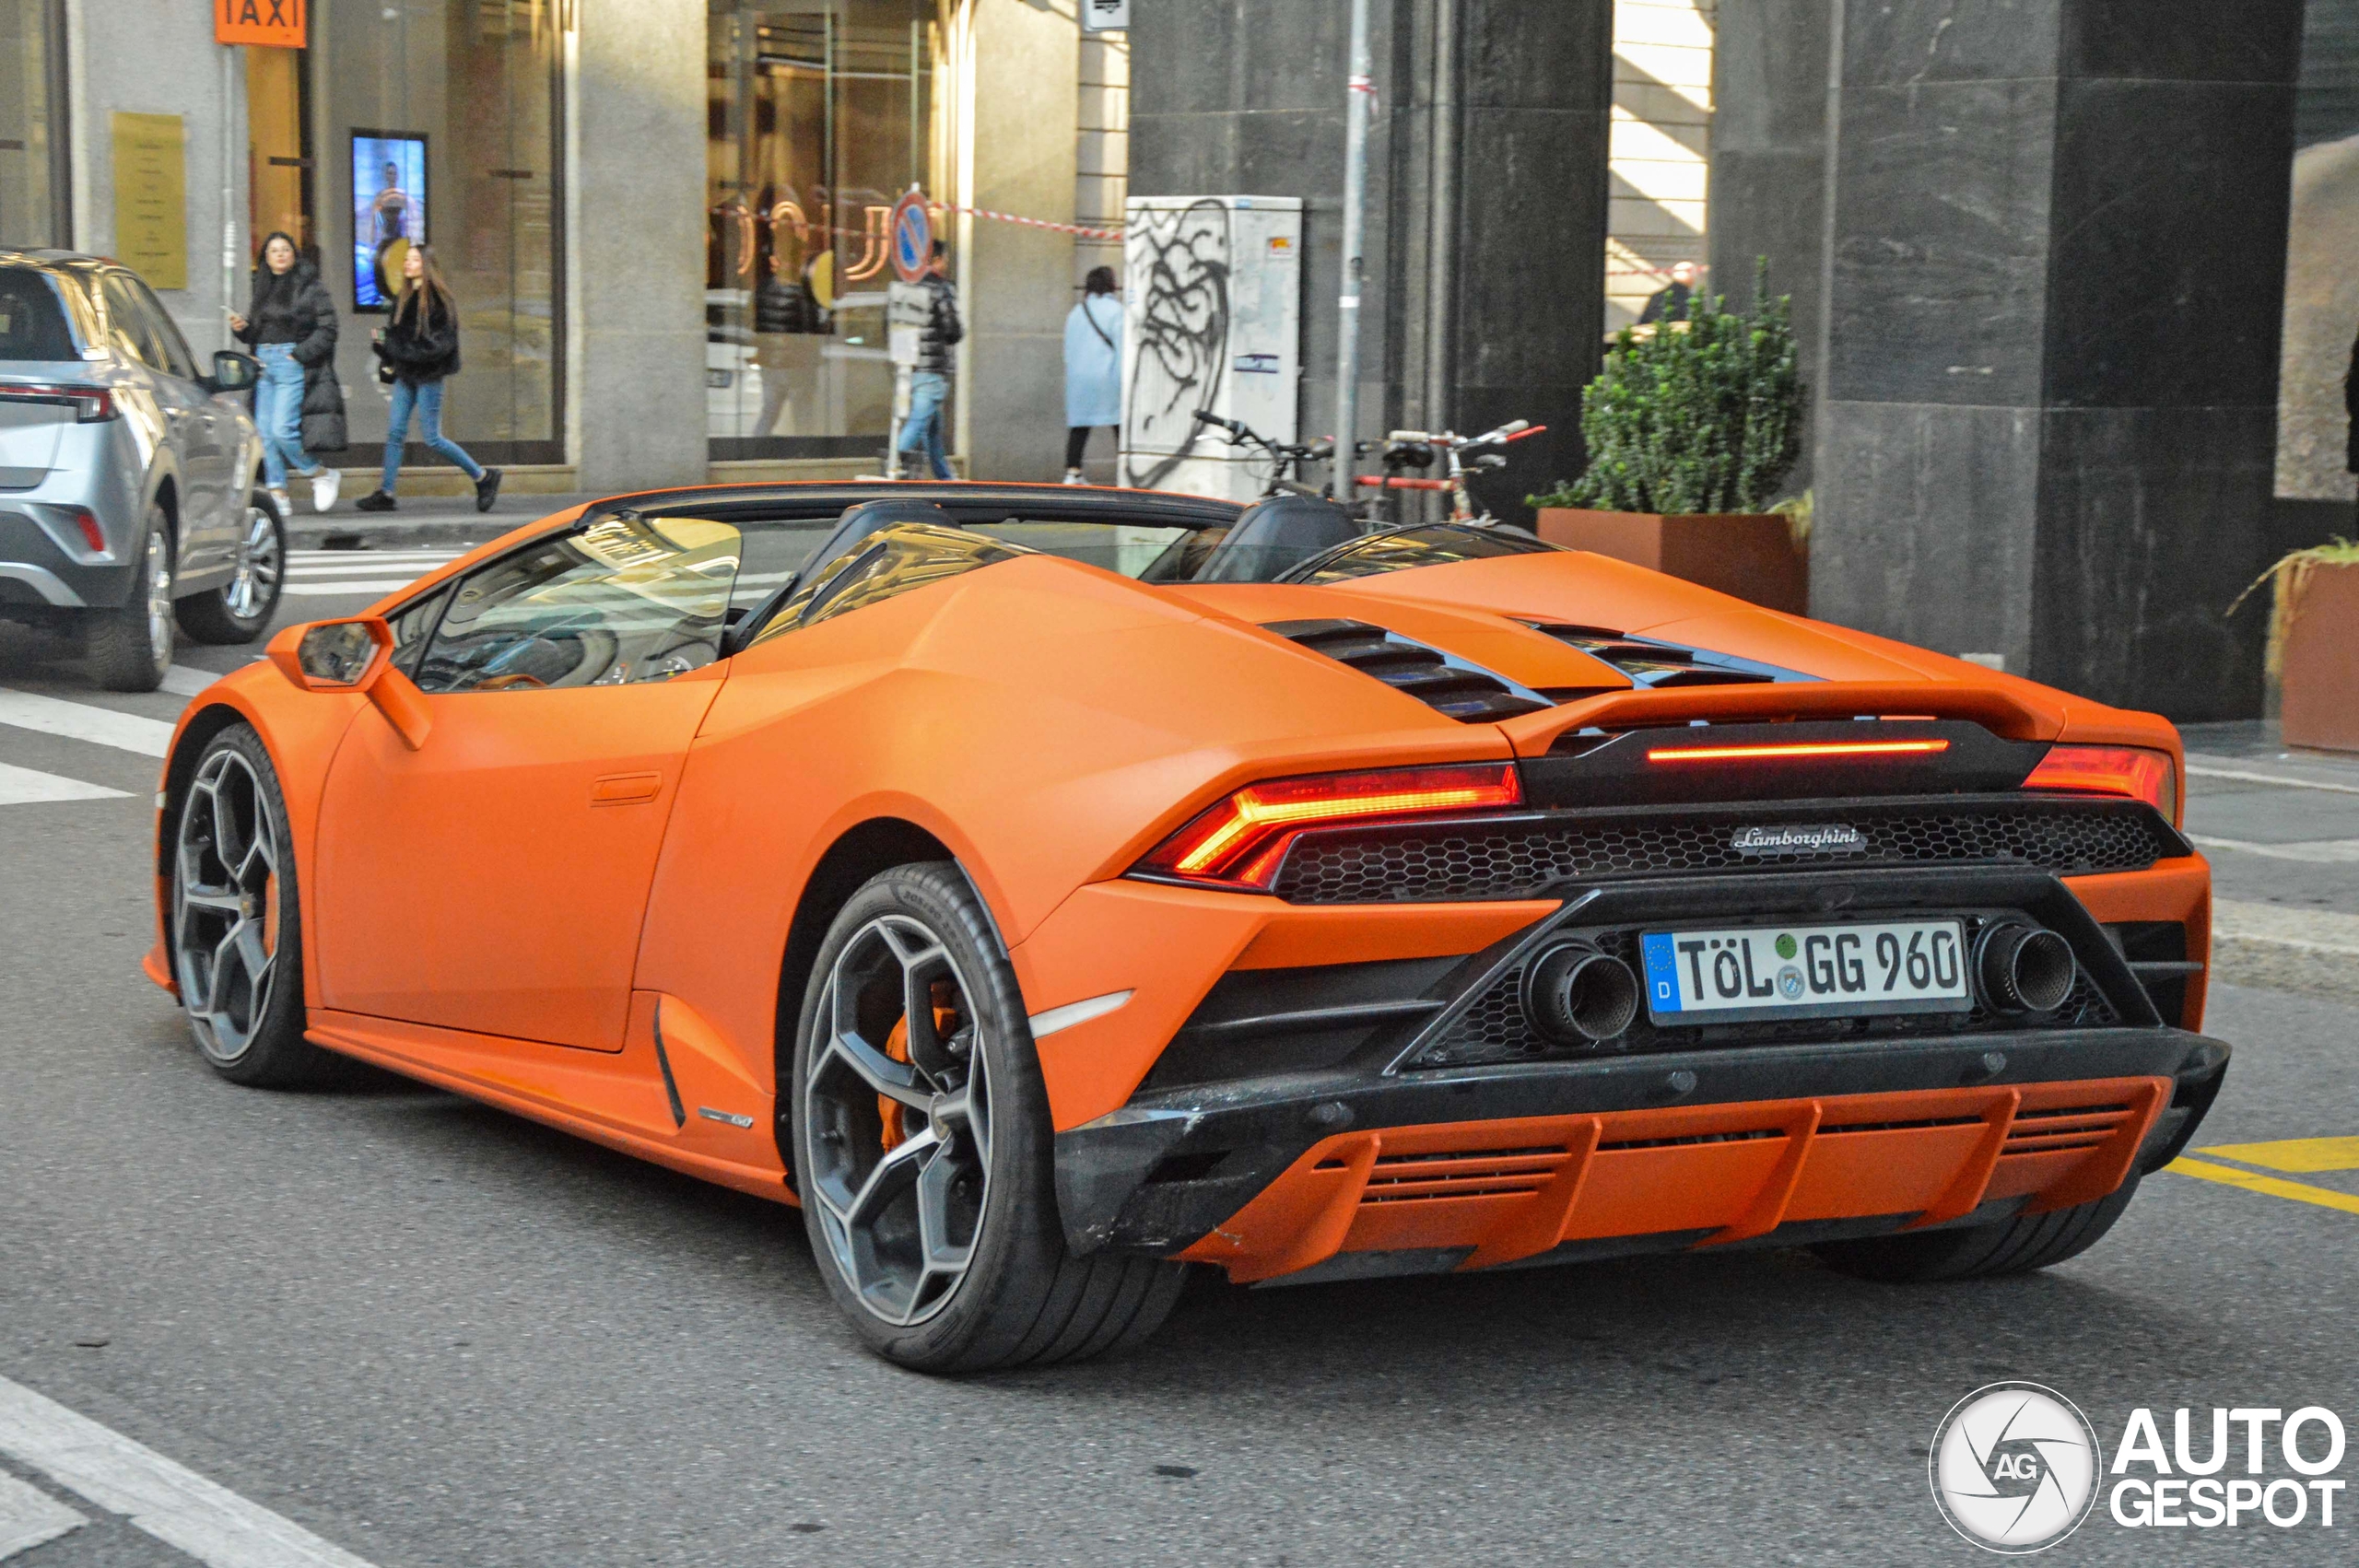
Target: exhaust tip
{"type": "Point", "coordinates": [2026, 969]}
{"type": "Point", "coordinates": [1577, 996]}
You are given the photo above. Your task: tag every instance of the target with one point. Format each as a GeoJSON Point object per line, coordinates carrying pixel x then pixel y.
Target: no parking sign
{"type": "Point", "coordinates": [912, 231]}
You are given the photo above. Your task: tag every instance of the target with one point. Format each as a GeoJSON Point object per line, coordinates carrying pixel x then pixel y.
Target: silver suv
{"type": "Point", "coordinates": [127, 488]}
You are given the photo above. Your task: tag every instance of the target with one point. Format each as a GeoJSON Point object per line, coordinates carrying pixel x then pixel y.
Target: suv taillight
{"type": "Point", "coordinates": [90, 404]}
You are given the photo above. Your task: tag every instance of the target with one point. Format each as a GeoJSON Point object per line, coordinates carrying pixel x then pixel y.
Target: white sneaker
{"type": "Point", "coordinates": [1074, 476]}
{"type": "Point", "coordinates": [327, 484]}
{"type": "Point", "coordinates": [286, 508]}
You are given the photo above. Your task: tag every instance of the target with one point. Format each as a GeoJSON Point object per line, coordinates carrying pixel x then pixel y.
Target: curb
{"type": "Point", "coordinates": [316, 534]}
{"type": "Point", "coordinates": [2315, 951]}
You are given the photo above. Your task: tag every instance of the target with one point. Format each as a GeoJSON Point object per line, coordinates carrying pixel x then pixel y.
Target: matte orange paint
{"type": "Point", "coordinates": [508, 908]}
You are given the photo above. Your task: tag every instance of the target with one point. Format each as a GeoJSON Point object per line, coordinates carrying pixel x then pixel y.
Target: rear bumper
{"type": "Point", "coordinates": [1359, 1172]}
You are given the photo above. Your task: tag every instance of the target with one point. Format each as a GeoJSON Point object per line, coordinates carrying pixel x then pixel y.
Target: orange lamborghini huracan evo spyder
{"type": "Point", "coordinates": [1048, 888]}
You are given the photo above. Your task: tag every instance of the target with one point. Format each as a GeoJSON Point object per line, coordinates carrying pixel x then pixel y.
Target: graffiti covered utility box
{"type": "Point", "coordinates": [1211, 320]}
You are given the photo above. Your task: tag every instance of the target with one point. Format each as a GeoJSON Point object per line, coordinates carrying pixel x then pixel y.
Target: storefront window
{"type": "Point", "coordinates": [462, 99]}
{"type": "Point", "coordinates": [33, 186]}
{"type": "Point", "coordinates": [819, 118]}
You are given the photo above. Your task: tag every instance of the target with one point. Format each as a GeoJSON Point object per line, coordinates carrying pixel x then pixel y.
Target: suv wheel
{"type": "Point", "coordinates": [239, 610]}
{"type": "Point", "coordinates": [129, 648]}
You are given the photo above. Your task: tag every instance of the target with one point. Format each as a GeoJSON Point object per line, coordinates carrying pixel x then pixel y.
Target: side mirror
{"type": "Point", "coordinates": [233, 372]}
{"type": "Point", "coordinates": [354, 656]}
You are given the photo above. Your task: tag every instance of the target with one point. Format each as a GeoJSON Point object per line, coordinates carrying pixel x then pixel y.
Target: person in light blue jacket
{"type": "Point", "coordinates": [1093, 366]}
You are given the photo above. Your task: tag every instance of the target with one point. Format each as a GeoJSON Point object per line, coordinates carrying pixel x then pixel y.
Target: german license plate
{"type": "Point", "coordinates": [1756, 972]}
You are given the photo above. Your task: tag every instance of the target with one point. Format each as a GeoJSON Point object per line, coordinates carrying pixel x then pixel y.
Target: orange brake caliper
{"type": "Point", "coordinates": [897, 1045]}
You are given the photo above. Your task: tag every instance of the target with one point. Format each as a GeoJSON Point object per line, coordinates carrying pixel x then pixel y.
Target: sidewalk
{"type": "Point", "coordinates": [2280, 829]}
{"type": "Point", "coordinates": [423, 520]}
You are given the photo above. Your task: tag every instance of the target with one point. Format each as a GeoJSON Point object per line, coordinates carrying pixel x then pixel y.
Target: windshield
{"type": "Point", "coordinates": [33, 323]}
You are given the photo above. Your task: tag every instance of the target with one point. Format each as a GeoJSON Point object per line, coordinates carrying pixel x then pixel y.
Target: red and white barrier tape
{"type": "Point", "coordinates": [1084, 231]}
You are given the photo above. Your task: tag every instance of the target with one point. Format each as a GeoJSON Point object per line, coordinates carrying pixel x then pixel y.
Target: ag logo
{"type": "Point", "coordinates": [2014, 1467]}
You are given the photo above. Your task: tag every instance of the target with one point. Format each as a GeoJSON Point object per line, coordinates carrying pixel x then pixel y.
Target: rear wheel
{"type": "Point", "coordinates": [237, 940]}
{"type": "Point", "coordinates": [1977, 1252]}
{"type": "Point", "coordinates": [921, 1143]}
{"type": "Point", "coordinates": [239, 610]}
{"type": "Point", "coordinates": [128, 648]}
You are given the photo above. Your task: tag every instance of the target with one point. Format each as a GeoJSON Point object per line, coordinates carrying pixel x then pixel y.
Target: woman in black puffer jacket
{"type": "Point", "coordinates": [298, 404]}
{"type": "Point", "coordinates": [419, 348]}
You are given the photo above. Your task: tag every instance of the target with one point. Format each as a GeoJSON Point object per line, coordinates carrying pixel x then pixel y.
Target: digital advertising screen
{"type": "Point", "coordinates": [388, 212]}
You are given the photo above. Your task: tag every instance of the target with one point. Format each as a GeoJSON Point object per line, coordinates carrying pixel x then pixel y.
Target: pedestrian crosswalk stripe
{"type": "Point", "coordinates": [23, 787]}
{"type": "Point", "coordinates": [29, 1516]}
{"type": "Point", "coordinates": [159, 1496]}
{"type": "Point", "coordinates": [182, 681]}
{"type": "Point", "coordinates": [81, 722]}
{"type": "Point", "coordinates": [376, 588]}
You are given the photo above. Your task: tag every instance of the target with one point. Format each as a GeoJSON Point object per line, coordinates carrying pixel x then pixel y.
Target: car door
{"type": "Point", "coordinates": [187, 429]}
{"type": "Point", "coordinates": [495, 878]}
{"type": "Point", "coordinates": [214, 439]}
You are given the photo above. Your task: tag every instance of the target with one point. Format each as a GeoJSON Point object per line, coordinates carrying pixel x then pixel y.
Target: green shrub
{"type": "Point", "coordinates": [1703, 416]}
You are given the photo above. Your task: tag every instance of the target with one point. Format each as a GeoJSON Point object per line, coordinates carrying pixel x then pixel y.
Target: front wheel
{"type": "Point", "coordinates": [922, 1147]}
{"type": "Point", "coordinates": [239, 610]}
{"type": "Point", "coordinates": [237, 942]}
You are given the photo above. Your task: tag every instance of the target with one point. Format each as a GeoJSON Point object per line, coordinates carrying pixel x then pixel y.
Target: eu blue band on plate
{"type": "Point", "coordinates": [1663, 970]}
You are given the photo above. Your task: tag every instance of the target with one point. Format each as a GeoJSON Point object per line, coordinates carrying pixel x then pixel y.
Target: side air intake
{"type": "Point", "coordinates": [1447, 685]}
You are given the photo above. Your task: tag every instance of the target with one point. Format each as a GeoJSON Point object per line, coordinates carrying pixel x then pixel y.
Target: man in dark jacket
{"type": "Point", "coordinates": [298, 406]}
{"type": "Point", "coordinates": [937, 357]}
{"type": "Point", "coordinates": [1669, 303]}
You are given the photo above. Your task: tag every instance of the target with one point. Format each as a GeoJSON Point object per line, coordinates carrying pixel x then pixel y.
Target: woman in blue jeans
{"type": "Point", "coordinates": [298, 404]}
{"type": "Point", "coordinates": [420, 348]}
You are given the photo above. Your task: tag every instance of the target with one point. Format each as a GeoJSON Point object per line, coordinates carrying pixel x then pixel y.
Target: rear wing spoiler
{"type": "Point", "coordinates": [2011, 715]}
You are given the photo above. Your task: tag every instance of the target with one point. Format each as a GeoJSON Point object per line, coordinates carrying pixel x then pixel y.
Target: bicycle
{"type": "Point", "coordinates": [1459, 454]}
{"type": "Point", "coordinates": [1286, 459]}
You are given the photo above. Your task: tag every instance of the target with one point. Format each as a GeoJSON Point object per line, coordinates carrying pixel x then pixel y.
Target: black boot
{"type": "Point", "coordinates": [374, 501]}
{"type": "Point", "coordinates": [487, 489]}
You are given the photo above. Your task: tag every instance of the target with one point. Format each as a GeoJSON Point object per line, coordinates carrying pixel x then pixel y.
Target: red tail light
{"type": "Point", "coordinates": [1239, 842]}
{"type": "Point", "coordinates": [90, 404]}
{"type": "Point", "coordinates": [2111, 770]}
{"type": "Point", "coordinates": [92, 534]}
{"type": "Point", "coordinates": [1797, 751]}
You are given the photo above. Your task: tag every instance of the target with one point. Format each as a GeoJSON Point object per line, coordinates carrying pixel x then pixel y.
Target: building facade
{"type": "Point", "coordinates": [660, 217]}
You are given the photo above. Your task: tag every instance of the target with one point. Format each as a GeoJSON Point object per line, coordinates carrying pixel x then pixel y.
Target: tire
{"type": "Point", "coordinates": [129, 648]}
{"type": "Point", "coordinates": [886, 1227]}
{"type": "Point", "coordinates": [1981, 1252]}
{"type": "Point", "coordinates": [236, 938]}
{"type": "Point", "coordinates": [239, 610]}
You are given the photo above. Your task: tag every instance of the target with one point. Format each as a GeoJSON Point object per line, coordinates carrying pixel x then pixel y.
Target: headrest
{"type": "Point", "coordinates": [1271, 536]}
{"type": "Point", "coordinates": [863, 519]}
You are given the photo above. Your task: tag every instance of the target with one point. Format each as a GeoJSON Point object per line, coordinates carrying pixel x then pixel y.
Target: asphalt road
{"type": "Point", "coordinates": [430, 1333]}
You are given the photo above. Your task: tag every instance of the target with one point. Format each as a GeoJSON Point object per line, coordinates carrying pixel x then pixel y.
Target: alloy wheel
{"type": "Point", "coordinates": [225, 913]}
{"type": "Point", "coordinates": [255, 583]}
{"type": "Point", "coordinates": [896, 1106]}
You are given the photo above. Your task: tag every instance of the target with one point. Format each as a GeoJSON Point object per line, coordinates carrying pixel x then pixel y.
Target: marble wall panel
{"type": "Point", "coordinates": [2151, 521]}
{"type": "Point", "coordinates": [2166, 194]}
{"type": "Point", "coordinates": [2182, 40]}
{"type": "Point", "coordinates": [1915, 42]}
{"type": "Point", "coordinates": [1925, 525]}
{"type": "Point", "coordinates": [1940, 235]}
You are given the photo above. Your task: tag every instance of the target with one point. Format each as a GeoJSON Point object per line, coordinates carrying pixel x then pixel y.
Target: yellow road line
{"type": "Point", "coordinates": [2296, 1154]}
{"type": "Point", "coordinates": [2275, 1186]}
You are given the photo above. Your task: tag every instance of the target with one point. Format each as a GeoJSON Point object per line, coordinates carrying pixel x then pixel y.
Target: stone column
{"type": "Point", "coordinates": [2054, 242]}
{"type": "Point", "coordinates": [636, 237]}
{"type": "Point", "coordinates": [1246, 97]}
{"type": "Point", "coordinates": [1019, 104]}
